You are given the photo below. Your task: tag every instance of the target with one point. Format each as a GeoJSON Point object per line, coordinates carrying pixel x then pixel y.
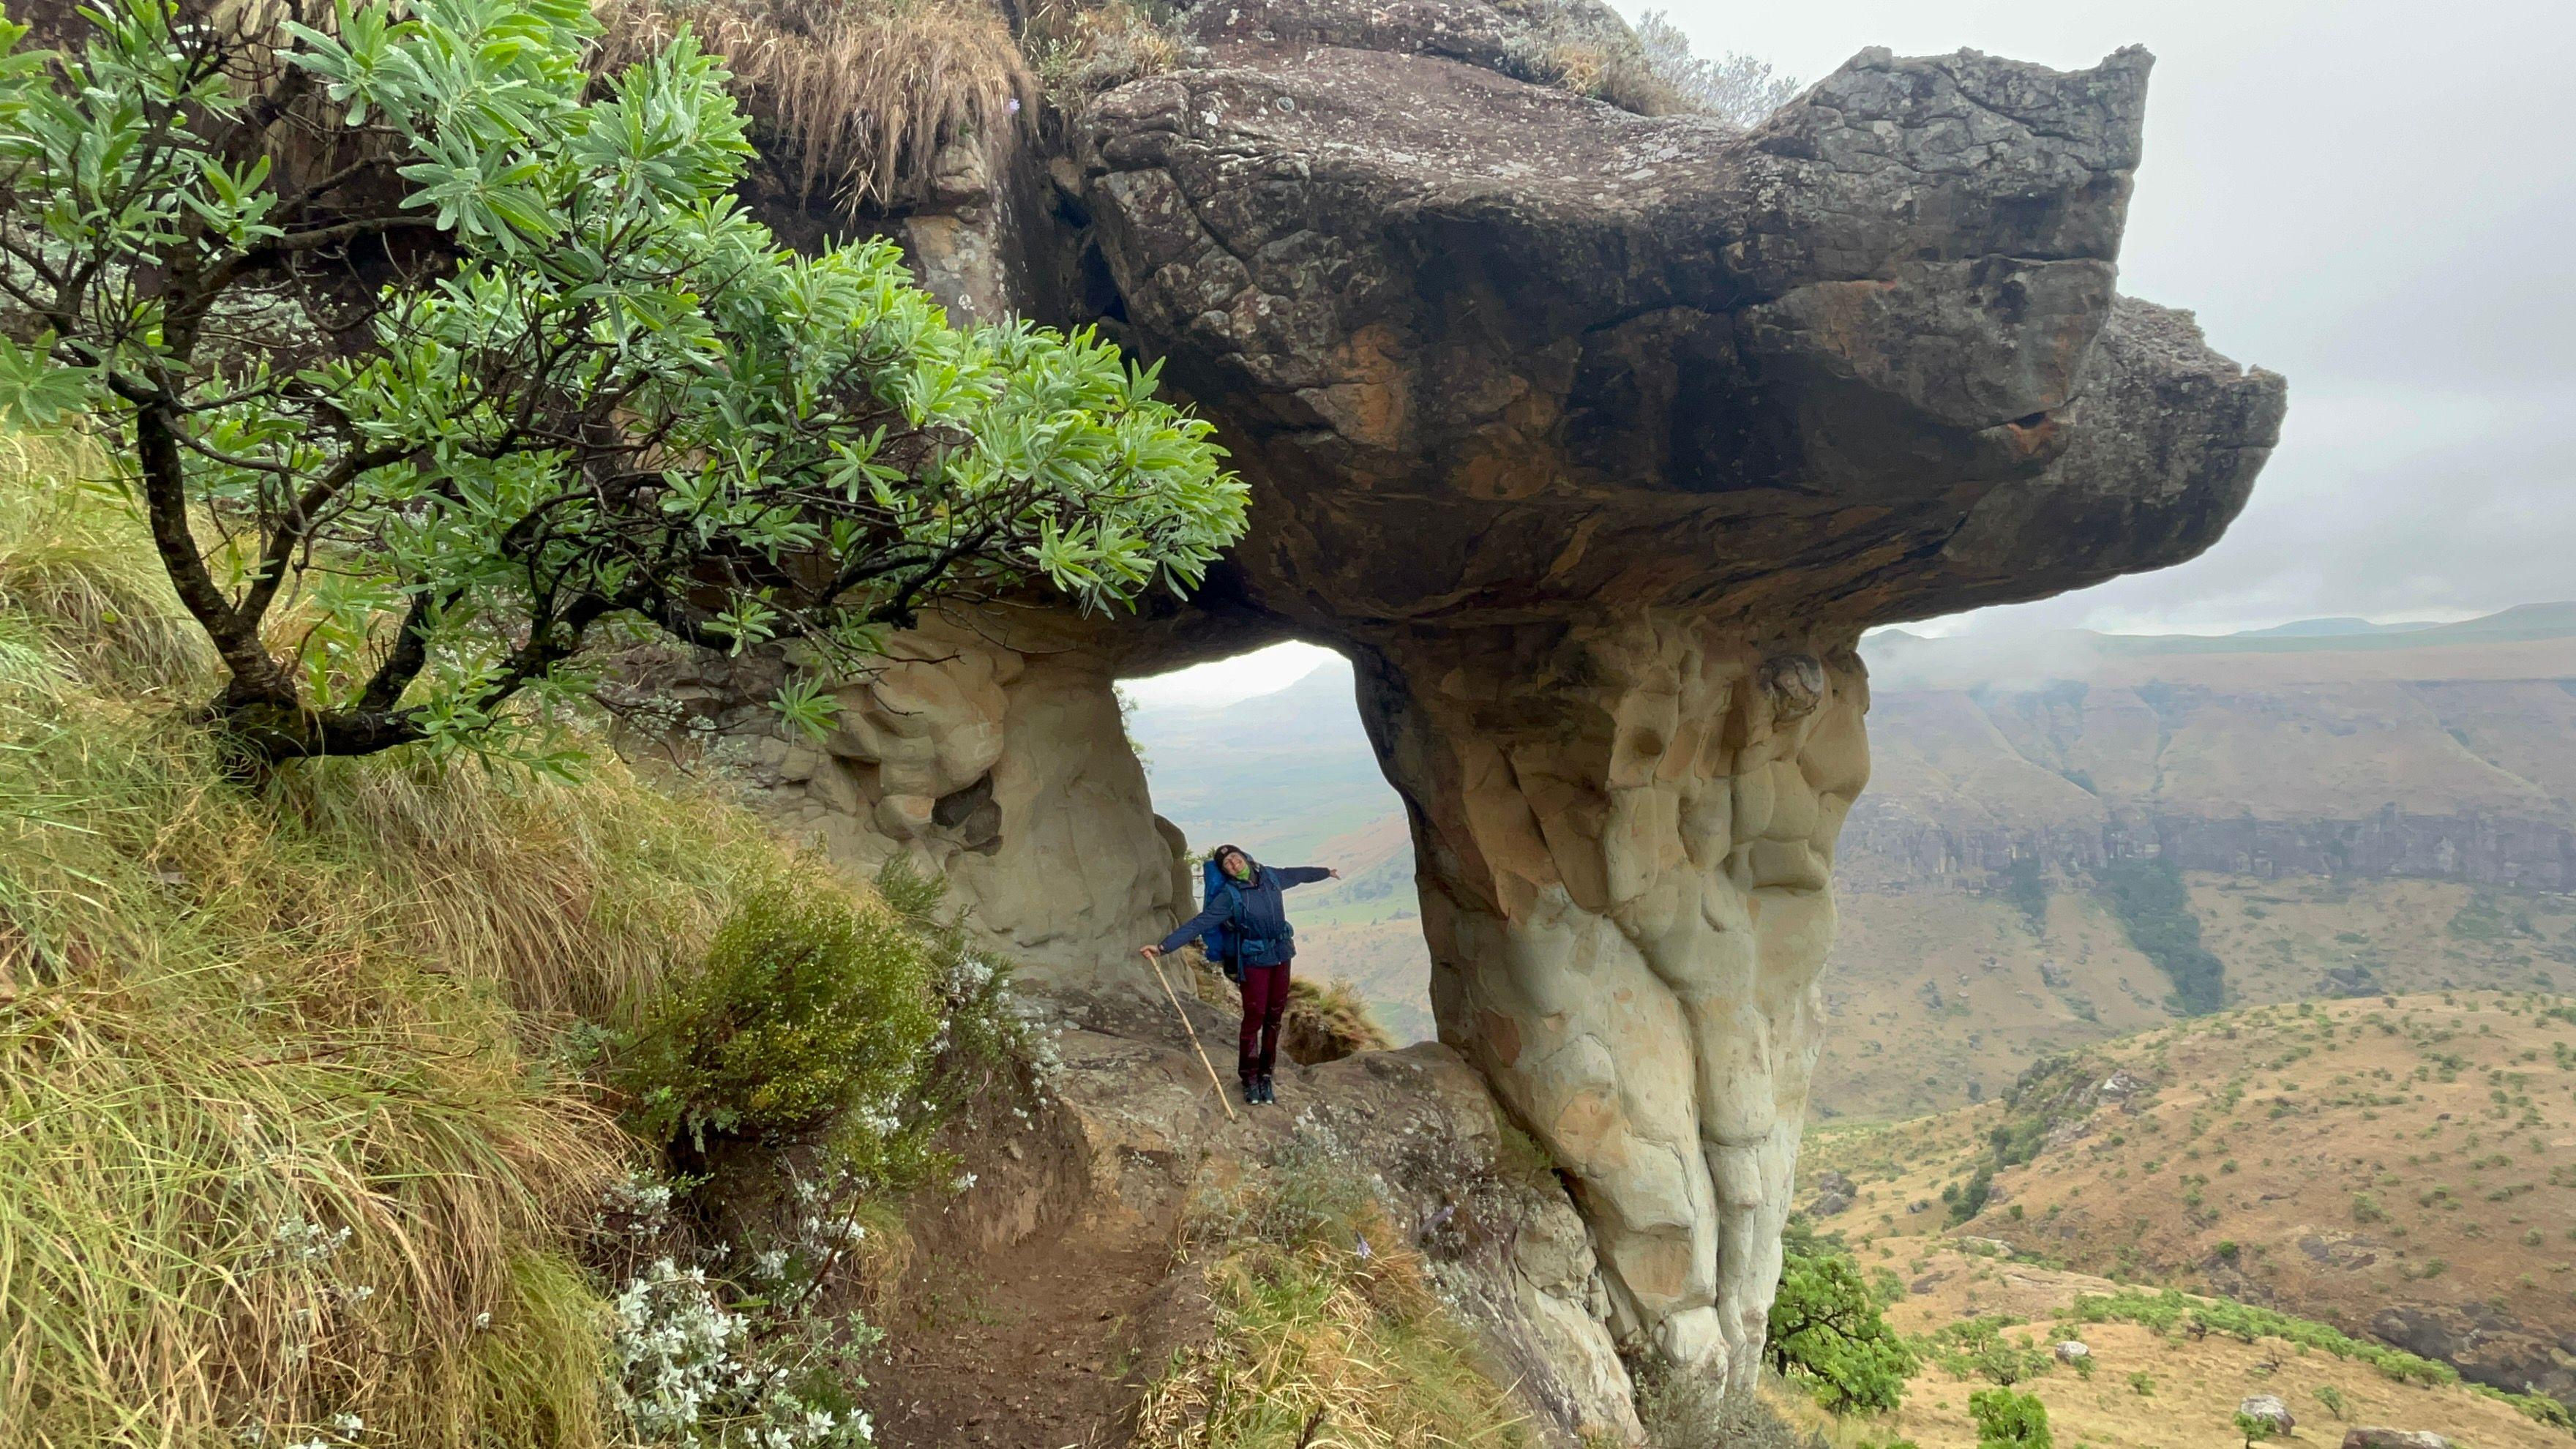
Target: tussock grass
{"type": "Point", "coordinates": [1328, 1020]}
{"type": "Point", "coordinates": [857, 97]}
{"type": "Point", "coordinates": [79, 585]}
{"type": "Point", "coordinates": [1328, 1331]}
{"type": "Point", "coordinates": [282, 1133]}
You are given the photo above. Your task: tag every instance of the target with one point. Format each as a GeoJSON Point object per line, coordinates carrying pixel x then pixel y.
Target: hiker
{"type": "Point", "coordinates": [1246, 929]}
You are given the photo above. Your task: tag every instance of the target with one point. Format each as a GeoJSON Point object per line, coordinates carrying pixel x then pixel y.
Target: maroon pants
{"type": "Point", "coordinates": [1265, 999]}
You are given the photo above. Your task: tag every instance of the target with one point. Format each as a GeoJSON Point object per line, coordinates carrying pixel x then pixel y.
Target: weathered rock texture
{"type": "Point", "coordinates": [1626, 835]}
{"type": "Point", "coordinates": [1596, 440]}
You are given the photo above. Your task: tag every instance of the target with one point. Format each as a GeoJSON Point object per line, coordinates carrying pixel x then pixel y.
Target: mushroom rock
{"type": "Point", "coordinates": [1596, 440]}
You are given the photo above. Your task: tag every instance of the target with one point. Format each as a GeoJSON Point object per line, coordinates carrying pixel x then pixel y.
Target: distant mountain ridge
{"type": "Point", "coordinates": [2330, 749]}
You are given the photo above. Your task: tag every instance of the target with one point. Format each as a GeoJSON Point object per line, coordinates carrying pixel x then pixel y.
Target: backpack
{"type": "Point", "coordinates": [1222, 947]}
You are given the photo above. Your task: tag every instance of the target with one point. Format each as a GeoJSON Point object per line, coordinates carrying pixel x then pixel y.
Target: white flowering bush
{"type": "Point", "coordinates": [691, 1371]}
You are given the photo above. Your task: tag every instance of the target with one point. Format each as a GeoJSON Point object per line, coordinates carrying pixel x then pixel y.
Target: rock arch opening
{"type": "Point", "coordinates": [1267, 750]}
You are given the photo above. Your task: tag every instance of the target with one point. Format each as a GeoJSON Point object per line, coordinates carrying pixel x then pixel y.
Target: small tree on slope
{"type": "Point", "coordinates": [1826, 1328]}
{"type": "Point", "coordinates": [430, 358]}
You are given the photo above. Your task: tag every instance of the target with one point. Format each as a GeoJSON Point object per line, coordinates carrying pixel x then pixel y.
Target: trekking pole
{"type": "Point", "coordinates": [1174, 997]}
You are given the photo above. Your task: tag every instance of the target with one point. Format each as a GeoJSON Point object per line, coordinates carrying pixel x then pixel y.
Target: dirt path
{"type": "Point", "coordinates": [1022, 1346]}
{"type": "Point", "coordinates": [1040, 1302]}
{"type": "Point", "coordinates": [1034, 1301]}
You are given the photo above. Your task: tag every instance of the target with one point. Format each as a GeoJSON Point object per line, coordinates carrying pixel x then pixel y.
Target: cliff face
{"type": "Point", "coordinates": [2427, 755]}
{"type": "Point", "coordinates": [1595, 441]}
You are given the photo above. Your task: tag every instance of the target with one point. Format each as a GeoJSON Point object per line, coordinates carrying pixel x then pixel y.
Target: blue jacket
{"type": "Point", "coordinates": [1256, 913]}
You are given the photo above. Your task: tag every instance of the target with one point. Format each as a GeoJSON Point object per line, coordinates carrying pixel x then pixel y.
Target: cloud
{"type": "Point", "coordinates": [2366, 196]}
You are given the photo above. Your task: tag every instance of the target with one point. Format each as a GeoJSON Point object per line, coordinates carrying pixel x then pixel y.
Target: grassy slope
{"type": "Point", "coordinates": [1890, 1053]}
{"type": "Point", "coordinates": [282, 1135]}
{"type": "Point", "coordinates": [2194, 1384]}
{"type": "Point", "coordinates": [2454, 1112]}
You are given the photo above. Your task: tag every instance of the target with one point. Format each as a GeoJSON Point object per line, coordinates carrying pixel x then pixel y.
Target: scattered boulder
{"type": "Point", "coordinates": [2350, 1252]}
{"type": "Point", "coordinates": [2123, 1087]}
{"type": "Point", "coordinates": [2269, 1409]}
{"type": "Point", "coordinates": [1996, 1246]}
{"type": "Point", "coordinates": [1919, 1205]}
{"type": "Point", "coordinates": [2073, 1351]}
{"type": "Point", "coordinates": [2379, 1436]}
{"type": "Point", "coordinates": [1834, 1194]}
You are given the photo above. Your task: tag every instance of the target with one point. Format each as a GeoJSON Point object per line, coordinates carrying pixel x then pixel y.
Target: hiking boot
{"type": "Point", "coordinates": [1267, 1096]}
{"type": "Point", "coordinates": [1252, 1091]}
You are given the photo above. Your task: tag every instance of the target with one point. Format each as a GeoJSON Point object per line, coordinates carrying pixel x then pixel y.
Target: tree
{"type": "Point", "coordinates": [2009, 1419]}
{"type": "Point", "coordinates": [2255, 1428]}
{"type": "Point", "coordinates": [1826, 1328]}
{"type": "Point", "coordinates": [432, 361]}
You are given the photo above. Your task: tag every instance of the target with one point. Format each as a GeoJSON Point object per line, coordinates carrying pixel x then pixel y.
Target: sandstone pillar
{"type": "Point", "coordinates": [1625, 833]}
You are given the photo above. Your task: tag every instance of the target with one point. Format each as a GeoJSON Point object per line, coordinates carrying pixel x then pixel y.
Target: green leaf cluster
{"type": "Point", "coordinates": [1977, 1348]}
{"type": "Point", "coordinates": [2007, 1419]}
{"type": "Point", "coordinates": [430, 357]}
{"type": "Point", "coordinates": [1827, 1328]}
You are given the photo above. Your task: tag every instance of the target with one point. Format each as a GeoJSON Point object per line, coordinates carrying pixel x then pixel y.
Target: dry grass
{"type": "Point", "coordinates": [282, 1136]}
{"type": "Point", "coordinates": [1080, 49]}
{"type": "Point", "coordinates": [857, 98]}
{"type": "Point", "coordinates": [1327, 1021]}
{"type": "Point", "coordinates": [76, 575]}
{"type": "Point", "coordinates": [1328, 1331]}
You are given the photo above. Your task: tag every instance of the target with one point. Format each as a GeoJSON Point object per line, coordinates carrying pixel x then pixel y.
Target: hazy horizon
{"type": "Point", "coordinates": [1276, 667]}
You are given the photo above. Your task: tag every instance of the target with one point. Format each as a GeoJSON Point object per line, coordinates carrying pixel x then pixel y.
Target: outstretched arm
{"type": "Point", "coordinates": [1217, 912]}
{"type": "Point", "coordinates": [1297, 875]}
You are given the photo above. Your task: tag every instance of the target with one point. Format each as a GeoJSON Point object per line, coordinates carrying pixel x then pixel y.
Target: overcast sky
{"type": "Point", "coordinates": [2376, 199]}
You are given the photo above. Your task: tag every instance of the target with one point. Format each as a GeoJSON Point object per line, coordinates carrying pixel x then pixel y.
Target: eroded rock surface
{"type": "Point", "coordinates": [1596, 440]}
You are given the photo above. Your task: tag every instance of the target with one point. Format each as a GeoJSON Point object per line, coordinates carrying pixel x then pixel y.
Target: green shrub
{"type": "Point", "coordinates": [809, 1011]}
{"type": "Point", "coordinates": [2336, 1401]}
{"type": "Point", "coordinates": [2153, 907]}
{"type": "Point", "coordinates": [985, 1052]}
{"type": "Point", "coordinates": [1827, 1330]}
{"type": "Point", "coordinates": [1977, 1348]}
{"type": "Point", "coordinates": [2163, 1311]}
{"type": "Point", "coordinates": [1969, 1200]}
{"type": "Point", "coordinates": [2538, 1407]}
{"type": "Point", "coordinates": [2143, 1384]}
{"type": "Point", "coordinates": [2009, 1420]}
